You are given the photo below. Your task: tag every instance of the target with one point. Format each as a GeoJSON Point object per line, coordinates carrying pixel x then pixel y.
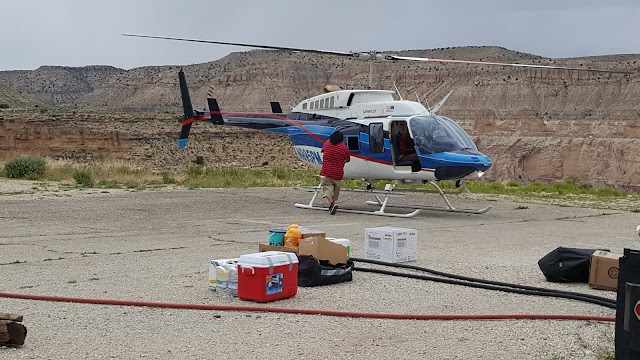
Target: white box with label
{"type": "Point", "coordinates": [391, 244]}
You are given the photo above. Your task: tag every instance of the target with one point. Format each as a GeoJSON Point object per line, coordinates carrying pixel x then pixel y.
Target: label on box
{"type": "Point", "coordinates": [274, 284]}
{"type": "Point", "coordinates": [391, 244]}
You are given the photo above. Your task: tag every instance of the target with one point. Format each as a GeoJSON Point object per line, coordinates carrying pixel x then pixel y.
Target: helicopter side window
{"type": "Point", "coordinates": [376, 138]}
{"type": "Point", "coordinates": [353, 143]}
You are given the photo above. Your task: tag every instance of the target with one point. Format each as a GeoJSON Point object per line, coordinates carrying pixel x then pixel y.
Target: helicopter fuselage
{"type": "Point", "coordinates": [372, 123]}
{"type": "Point", "coordinates": [444, 151]}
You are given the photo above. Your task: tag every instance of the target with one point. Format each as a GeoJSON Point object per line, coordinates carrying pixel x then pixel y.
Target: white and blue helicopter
{"type": "Point", "coordinates": [372, 122]}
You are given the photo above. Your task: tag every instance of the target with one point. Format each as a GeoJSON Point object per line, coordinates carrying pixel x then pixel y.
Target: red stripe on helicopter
{"type": "Point", "coordinates": [199, 118]}
{"type": "Point", "coordinates": [206, 118]}
{"type": "Point", "coordinates": [273, 116]}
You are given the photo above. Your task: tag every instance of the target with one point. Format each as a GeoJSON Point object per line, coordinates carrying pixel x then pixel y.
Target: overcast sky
{"type": "Point", "coordinates": [87, 32]}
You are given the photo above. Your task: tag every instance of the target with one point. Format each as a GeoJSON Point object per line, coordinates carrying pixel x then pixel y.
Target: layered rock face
{"type": "Point", "coordinates": [534, 124]}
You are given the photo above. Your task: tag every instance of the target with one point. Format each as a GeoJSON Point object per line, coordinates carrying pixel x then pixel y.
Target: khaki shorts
{"type": "Point", "coordinates": [330, 187]}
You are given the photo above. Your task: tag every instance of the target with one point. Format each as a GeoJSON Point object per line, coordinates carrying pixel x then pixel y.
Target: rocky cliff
{"type": "Point", "coordinates": [534, 124]}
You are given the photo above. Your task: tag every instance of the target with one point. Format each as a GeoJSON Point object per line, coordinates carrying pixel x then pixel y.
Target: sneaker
{"type": "Point", "coordinates": [333, 209]}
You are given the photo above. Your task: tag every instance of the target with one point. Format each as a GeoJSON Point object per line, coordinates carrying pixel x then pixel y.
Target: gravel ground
{"type": "Point", "coordinates": [155, 246]}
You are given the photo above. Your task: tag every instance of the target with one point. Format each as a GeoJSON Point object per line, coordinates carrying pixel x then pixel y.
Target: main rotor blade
{"type": "Point", "coordinates": [270, 47]}
{"type": "Point", "coordinates": [377, 56]}
{"type": "Point", "coordinates": [394, 57]}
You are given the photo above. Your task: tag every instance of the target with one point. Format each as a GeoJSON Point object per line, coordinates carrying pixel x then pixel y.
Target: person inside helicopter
{"type": "Point", "coordinates": [407, 147]}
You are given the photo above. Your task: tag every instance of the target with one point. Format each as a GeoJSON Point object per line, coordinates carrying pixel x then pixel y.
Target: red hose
{"type": "Point", "coordinates": [307, 311]}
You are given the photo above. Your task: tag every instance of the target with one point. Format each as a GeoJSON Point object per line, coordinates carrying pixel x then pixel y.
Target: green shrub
{"type": "Point", "coordinates": [168, 179]}
{"type": "Point", "coordinates": [194, 171]}
{"type": "Point", "coordinates": [109, 184]}
{"type": "Point", "coordinates": [83, 178]}
{"type": "Point", "coordinates": [513, 183]}
{"type": "Point", "coordinates": [25, 167]}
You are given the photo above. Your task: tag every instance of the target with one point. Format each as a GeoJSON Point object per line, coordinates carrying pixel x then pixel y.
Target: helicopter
{"type": "Point", "coordinates": [373, 124]}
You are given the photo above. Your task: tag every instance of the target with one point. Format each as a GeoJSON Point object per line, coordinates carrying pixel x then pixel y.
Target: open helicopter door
{"type": "Point", "coordinates": [398, 129]}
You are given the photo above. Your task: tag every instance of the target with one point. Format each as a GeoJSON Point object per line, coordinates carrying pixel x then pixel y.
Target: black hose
{"type": "Point", "coordinates": [482, 281]}
{"type": "Point", "coordinates": [492, 287]}
{"type": "Point", "coordinates": [561, 293]}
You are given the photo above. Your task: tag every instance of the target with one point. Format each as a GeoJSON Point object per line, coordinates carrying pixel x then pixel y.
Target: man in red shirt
{"type": "Point", "coordinates": [335, 155]}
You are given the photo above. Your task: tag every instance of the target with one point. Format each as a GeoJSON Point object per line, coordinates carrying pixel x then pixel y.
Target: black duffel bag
{"type": "Point", "coordinates": [567, 264]}
{"type": "Point", "coordinates": [314, 272]}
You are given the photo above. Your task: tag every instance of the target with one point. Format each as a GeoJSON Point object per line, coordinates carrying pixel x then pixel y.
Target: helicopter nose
{"type": "Point", "coordinates": [452, 166]}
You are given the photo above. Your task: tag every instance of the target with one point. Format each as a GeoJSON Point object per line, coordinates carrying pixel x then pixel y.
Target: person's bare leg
{"type": "Point", "coordinates": [329, 199]}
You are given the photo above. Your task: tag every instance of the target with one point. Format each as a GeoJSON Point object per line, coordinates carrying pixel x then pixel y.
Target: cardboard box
{"type": "Point", "coordinates": [307, 233]}
{"type": "Point", "coordinates": [603, 271]}
{"type": "Point", "coordinates": [323, 249]}
{"type": "Point", "coordinates": [267, 247]}
{"type": "Point", "coordinates": [391, 244]}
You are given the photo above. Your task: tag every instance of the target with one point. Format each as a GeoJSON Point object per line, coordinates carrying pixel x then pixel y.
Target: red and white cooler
{"type": "Point", "coordinates": [267, 276]}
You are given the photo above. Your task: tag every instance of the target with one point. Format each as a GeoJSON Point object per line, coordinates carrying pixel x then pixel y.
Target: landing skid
{"type": "Point", "coordinates": [383, 203]}
{"type": "Point", "coordinates": [448, 208]}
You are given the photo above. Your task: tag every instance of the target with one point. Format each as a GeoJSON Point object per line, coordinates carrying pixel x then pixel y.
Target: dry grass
{"type": "Point", "coordinates": [108, 173]}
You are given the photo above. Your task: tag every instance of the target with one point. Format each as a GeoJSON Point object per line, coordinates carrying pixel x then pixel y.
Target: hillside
{"type": "Point", "coordinates": [9, 97]}
{"type": "Point", "coordinates": [534, 124]}
{"type": "Point", "coordinates": [59, 85]}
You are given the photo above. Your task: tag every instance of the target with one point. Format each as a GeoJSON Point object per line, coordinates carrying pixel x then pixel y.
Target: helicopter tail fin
{"type": "Point", "coordinates": [214, 111]}
{"type": "Point", "coordinates": [189, 115]}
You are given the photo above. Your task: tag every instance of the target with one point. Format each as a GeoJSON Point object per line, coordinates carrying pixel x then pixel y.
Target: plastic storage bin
{"type": "Point", "coordinates": [276, 237]}
{"type": "Point", "coordinates": [267, 276]}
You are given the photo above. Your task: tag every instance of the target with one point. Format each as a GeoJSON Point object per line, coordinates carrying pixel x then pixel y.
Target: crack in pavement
{"type": "Point", "coordinates": [85, 254]}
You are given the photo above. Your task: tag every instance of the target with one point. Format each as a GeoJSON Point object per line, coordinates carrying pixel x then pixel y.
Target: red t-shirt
{"type": "Point", "coordinates": [333, 159]}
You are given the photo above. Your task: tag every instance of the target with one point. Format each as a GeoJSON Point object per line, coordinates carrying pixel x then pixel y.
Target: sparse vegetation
{"type": "Point", "coordinates": [199, 160]}
{"type": "Point", "coordinates": [567, 187]}
{"type": "Point", "coordinates": [167, 179]}
{"type": "Point", "coordinates": [243, 178]}
{"type": "Point", "coordinates": [122, 175]}
{"type": "Point", "coordinates": [25, 167]}
{"type": "Point", "coordinates": [83, 178]}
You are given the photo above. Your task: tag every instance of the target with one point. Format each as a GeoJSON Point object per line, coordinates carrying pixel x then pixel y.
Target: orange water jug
{"type": "Point", "coordinates": [292, 236]}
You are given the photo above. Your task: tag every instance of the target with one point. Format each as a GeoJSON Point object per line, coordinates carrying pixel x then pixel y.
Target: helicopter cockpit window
{"type": "Point", "coordinates": [434, 134]}
{"type": "Point", "coordinates": [376, 138]}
